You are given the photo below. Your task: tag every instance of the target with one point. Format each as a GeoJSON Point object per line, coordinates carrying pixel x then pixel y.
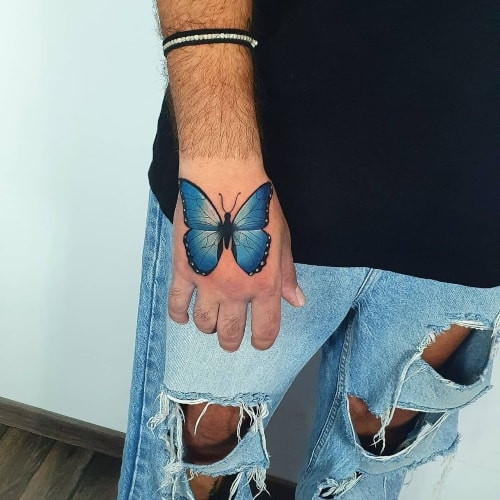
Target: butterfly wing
{"type": "Point", "coordinates": [203, 250]}
{"type": "Point", "coordinates": [203, 240]}
{"type": "Point", "coordinates": [199, 212]}
{"type": "Point", "coordinates": [250, 242]}
{"type": "Point", "coordinates": [254, 213]}
{"type": "Point", "coordinates": [250, 249]}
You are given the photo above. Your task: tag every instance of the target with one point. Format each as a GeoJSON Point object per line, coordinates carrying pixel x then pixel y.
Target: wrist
{"type": "Point", "coordinates": [211, 88]}
{"type": "Point", "coordinates": [223, 176]}
{"type": "Point", "coordinates": [214, 167]}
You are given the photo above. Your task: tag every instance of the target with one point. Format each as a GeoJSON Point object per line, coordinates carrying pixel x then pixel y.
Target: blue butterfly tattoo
{"type": "Point", "coordinates": [208, 233]}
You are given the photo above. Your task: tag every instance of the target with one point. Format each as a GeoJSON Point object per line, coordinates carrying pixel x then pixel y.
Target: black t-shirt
{"type": "Point", "coordinates": [379, 131]}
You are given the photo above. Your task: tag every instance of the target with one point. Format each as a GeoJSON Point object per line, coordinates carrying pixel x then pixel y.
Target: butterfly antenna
{"type": "Point", "coordinates": [234, 204]}
{"type": "Point", "coordinates": [222, 203]}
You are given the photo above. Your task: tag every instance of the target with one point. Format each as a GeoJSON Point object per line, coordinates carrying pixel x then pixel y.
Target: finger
{"type": "Point", "coordinates": [205, 312]}
{"type": "Point", "coordinates": [231, 325]}
{"type": "Point", "coordinates": [290, 290]}
{"type": "Point", "coordinates": [179, 296]}
{"type": "Point", "coordinates": [266, 319]}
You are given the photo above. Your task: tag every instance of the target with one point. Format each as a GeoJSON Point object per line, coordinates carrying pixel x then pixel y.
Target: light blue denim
{"type": "Point", "coordinates": [372, 326]}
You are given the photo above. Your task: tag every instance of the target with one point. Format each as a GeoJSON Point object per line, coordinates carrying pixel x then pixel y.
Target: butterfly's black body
{"type": "Point", "coordinates": [226, 229]}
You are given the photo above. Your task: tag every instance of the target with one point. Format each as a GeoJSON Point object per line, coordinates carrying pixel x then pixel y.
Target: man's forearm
{"type": "Point", "coordinates": [211, 85]}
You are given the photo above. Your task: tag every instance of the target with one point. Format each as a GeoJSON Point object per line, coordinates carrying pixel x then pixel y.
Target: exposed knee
{"type": "Point", "coordinates": [367, 425]}
{"type": "Point", "coordinates": [210, 433]}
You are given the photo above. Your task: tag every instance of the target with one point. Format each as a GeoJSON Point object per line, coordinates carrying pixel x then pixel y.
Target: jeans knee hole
{"type": "Point", "coordinates": [367, 426]}
{"type": "Point", "coordinates": [468, 362]}
{"type": "Point", "coordinates": [212, 431]}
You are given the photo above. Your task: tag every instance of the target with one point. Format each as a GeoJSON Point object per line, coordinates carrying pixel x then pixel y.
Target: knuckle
{"type": "Point", "coordinates": [178, 297]}
{"type": "Point", "coordinates": [231, 328]}
{"type": "Point", "coordinates": [174, 295]}
{"type": "Point", "coordinates": [204, 320]}
{"type": "Point", "coordinates": [272, 322]}
{"type": "Point", "coordinates": [202, 316]}
{"type": "Point", "coordinates": [269, 288]}
{"type": "Point", "coordinates": [175, 291]}
{"type": "Point", "coordinates": [231, 286]}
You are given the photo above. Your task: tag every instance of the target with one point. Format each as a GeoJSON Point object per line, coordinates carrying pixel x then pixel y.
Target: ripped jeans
{"type": "Point", "coordinates": [372, 327]}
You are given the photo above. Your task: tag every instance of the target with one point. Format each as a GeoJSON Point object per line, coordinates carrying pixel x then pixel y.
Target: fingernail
{"type": "Point", "coordinates": [300, 296]}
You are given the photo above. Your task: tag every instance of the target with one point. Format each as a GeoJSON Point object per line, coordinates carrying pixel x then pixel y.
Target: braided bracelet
{"type": "Point", "coordinates": [202, 36]}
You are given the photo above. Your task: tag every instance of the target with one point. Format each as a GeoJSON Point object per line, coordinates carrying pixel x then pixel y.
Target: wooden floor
{"type": "Point", "coordinates": [33, 467]}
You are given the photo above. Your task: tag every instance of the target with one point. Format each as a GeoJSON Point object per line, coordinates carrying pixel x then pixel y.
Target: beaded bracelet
{"type": "Point", "coordinates": [202, 36]}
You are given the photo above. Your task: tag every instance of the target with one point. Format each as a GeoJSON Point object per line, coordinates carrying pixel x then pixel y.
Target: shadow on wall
{"type": "Point", "coordinates": [292, 423]}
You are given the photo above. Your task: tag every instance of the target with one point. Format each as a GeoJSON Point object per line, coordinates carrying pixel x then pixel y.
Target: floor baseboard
{"type": "Point", "coordinates": [65, 429]}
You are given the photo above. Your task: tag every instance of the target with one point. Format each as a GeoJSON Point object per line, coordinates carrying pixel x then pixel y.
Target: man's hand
{"type": "Point", "coordinates": [223, 295]}
{"type": "Point", "coordinates": [219, 151]}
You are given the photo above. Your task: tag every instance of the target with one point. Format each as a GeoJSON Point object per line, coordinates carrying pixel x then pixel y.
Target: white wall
{"type": "Point", "coordinates": [80, 90]}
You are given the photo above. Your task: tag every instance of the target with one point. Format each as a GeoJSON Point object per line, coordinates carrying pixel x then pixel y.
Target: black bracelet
{"type": "Point", "coordinates": [202, 36]}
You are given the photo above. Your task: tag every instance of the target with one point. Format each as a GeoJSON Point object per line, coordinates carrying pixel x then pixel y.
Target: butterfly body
{"type": "Point", "coordinates": [226, 229]}
{"type": "Point", "coordinates": [209, 234]}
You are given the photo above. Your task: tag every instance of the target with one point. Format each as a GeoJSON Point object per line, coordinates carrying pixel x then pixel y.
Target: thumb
{"type": "Point", "coordinates": [290, 290]}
